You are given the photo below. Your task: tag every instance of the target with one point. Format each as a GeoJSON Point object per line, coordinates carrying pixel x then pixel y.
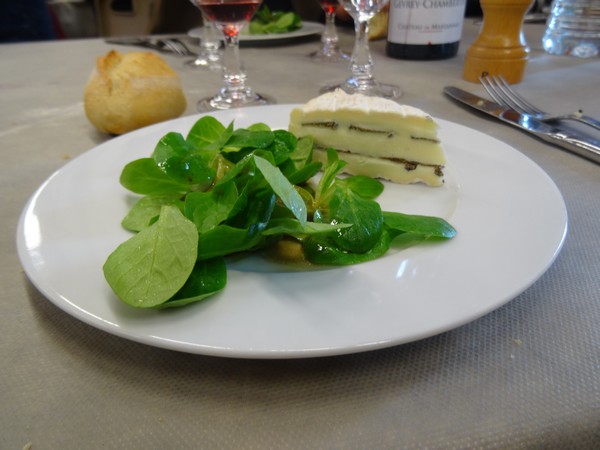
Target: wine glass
{"type": "Point", "coordinates": [229, 17]}
{"type": "Point", "coordinates": [209, 56]}
{"type": "Point", "coordinates": [361, 65]}
{"type": "Point", "coordinates": [329, 51]}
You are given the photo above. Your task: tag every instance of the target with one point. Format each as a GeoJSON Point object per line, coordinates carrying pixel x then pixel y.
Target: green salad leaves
{"type": "Point", "coordinates": [266, 21]}
{"type": "Point", "coordinates": [221, 191]}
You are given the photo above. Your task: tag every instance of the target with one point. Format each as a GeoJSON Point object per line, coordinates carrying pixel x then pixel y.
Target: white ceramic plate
{"type": "Point", "coordinates": [511, 221]}
{"type": "Point", "coordinates": [307, 29]}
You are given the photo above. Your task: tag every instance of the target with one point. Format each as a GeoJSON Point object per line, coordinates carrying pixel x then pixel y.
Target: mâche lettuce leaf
{"type": "Point", "coordinates": [220, 191]}
{"type": "Point", "coordinates": [266, 21]}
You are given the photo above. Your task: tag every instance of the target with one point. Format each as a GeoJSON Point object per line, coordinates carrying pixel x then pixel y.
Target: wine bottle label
{"type": "Point", "coordinates": [424, 22]}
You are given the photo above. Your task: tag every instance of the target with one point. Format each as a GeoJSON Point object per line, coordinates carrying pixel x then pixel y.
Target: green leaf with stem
{"type": "Point", "coordinates": [209, 209]}
{"type": "Point", "coordinates": [292, 227]}
{"type": "Point", "coordinates": [145, 211]}
{"type": "Point", "coordinates": [364, 214]}
{"type": "Point", "coordinates": [143, 176]}
{"type": "Point", "coordinates": [425, 225]}
{"type": "Point", "coordinates": [323, 250]}
{"type": "Point", "coordinates": [283, 189]}
{"type": "Point", "coordinates": [150, 267]}
{"type": "Point", "coordinates": [208, 134]}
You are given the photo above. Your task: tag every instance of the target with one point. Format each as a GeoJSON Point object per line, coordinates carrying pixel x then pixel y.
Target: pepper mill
{"type": "Point", "coordinates": [500, 48]}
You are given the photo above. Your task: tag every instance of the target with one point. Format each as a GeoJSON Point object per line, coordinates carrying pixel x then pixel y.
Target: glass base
{"type": "Point", "coordinates": [242, 99]}
{"type": "Point", "coordinates": [374, 89]}
{"type": "Point", "coordinates": [202, 62]}
{"type": "Point", "coordinates": [333, 57]}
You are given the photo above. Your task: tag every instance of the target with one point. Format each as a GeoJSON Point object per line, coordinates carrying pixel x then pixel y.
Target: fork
{"type": "Point", "coordinates": [177, 47]}
{"type": "Point", "coordinates": [503, 93]}
{"type": "Point", "coordinates": [171, 45]}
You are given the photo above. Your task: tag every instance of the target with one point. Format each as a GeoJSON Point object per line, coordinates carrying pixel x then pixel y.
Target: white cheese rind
{"type": "Point", "coordinates": [339, 100]}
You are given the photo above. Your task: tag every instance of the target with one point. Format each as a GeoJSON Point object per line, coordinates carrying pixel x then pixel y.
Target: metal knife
{"type": "Point", "coordinates": [572, 140]}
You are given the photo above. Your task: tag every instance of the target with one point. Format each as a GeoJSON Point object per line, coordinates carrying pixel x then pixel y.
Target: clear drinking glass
{"type": "Point", "coordinates": [209, 56]}
{"type": "Point", "coordinates": [330, 50]}
{"type": "Point", "coordinates": [230, 16]}
{"type": "Point", "coordinates": [573, 28]}
{"type": "Point", "coordinates": [362, 80]}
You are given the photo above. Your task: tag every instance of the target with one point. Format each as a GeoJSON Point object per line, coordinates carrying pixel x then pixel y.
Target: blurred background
{"type": "Point", "coordinates": [29, 20]}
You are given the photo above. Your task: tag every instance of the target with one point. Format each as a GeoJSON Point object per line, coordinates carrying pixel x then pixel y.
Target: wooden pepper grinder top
{"type": "Point", "coordinates": [500, 48]}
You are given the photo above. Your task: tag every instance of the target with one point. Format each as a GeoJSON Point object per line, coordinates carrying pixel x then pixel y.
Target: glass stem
{"type": "Point", "coordinates": [330, 36]}
{"type": "Point", "coordinates": [361, 64]}
{"type": "Point", "coordinates": [233, 72]}
{"type": "Point", "coordinates": [210, 42]}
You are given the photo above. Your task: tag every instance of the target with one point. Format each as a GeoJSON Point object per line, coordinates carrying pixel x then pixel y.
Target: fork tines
{"type": "Point", "coordinates": [503, 93]}
{"type": "Point", "coordinates": [176, 46]}
{"type": "Point", "coordinates": [498, 88]}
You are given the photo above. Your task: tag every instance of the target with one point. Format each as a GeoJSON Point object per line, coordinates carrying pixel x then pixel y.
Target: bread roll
{"type": "Point", "coordinates": [132, 90]}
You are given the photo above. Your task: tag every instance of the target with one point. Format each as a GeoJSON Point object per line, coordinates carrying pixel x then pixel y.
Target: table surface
{"type": "Point", "coordinates": [524, 376]}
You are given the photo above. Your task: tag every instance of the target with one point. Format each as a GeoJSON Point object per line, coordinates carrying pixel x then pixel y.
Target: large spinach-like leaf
{"type": "Point", "coordinates": [143, 176]}
{"type": "Point", "coordinates": [209, 209]}
{"type": "Point", "coordinates": [145, 211]}
{"type": "Point", "coordinates": [207, 278]}
{"type": "Point", "coordinates": [150, 267]}
{"type": "Point", "coordinates": [425, 225]}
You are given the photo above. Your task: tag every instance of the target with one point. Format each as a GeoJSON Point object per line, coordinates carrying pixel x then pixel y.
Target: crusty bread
{"type": "Point", "coordinates": [132, 90]}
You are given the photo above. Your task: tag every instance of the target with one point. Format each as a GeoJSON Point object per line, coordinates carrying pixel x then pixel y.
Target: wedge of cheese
{"type": "Point", "coordinates": [376, 137]}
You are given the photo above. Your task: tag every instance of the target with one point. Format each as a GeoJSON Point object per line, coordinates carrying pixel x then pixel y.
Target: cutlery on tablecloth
{"type": "Point", "coordinates": [503, 93]}
{"type": "Point", "coordinates": [166, 45]}
{"type": "Point", "coordinates": [571, 140]}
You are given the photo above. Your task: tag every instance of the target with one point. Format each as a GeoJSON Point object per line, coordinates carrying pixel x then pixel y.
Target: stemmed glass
{"type": "Point", "coordinates": [329, 51]}
{"type": "Point", "coordinates": [362, 80]}
{"type": "Point", "coordinates": [230, 16]}
{"type": "Point", "coordinates": [209, 56]}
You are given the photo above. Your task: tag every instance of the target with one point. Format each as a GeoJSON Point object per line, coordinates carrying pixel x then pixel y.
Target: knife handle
{"type": "Point", "coordinates": [588, 121]}
{"type": "Point", "coordinates": [579, 146]}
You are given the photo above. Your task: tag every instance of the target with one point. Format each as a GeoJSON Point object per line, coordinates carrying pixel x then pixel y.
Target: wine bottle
{"type": "Point", "coordinates": [425, 29]}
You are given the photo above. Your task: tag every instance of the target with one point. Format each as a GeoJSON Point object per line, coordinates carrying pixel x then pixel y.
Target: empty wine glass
{"type": "Point", "coordinates": [229, 17]}
{"type": "Point", "coordinates": [330, 50]}
{"type": "Point", "coordinates": [209, 56]}
{"type": "Point", "coordinates": [362, 80]}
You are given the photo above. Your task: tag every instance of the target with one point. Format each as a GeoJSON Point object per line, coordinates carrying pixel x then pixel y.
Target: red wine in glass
{"type": "Point", "coordinates": [230, 12]}
{"type": "Point", "coordinates": [328, 6]}
{"type": "Point", "coordinates": [230, 16]}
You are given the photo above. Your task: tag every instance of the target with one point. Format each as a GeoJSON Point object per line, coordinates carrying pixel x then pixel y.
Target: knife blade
{"type": "Point", "coordinates": [572, 140]}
